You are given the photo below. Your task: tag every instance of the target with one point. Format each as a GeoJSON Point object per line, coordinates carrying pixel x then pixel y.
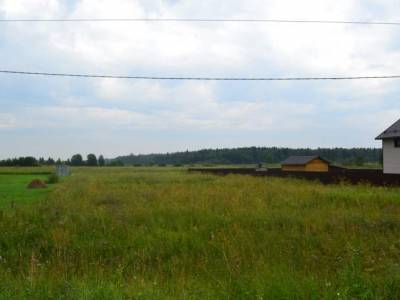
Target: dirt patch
{"type": "Point", "coordinates": [37, 184]}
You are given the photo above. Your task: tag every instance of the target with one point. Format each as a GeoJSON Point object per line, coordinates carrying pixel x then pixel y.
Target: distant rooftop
{"type": "Point", "coordinates": [301, 160]}
{"type": "Point", "coordinates": [392, 132]}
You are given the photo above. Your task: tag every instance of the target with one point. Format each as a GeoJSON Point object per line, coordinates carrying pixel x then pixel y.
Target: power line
{"type": "Point", "coordinates": [201, 78]}
{"type": "Point", "coordinates": [202, 20]}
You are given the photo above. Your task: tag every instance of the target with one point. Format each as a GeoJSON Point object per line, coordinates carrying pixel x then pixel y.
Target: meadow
{"type": "Point", "coordinates": [13, 189]}
{"type": "Point", "coordinates": [164, 233]}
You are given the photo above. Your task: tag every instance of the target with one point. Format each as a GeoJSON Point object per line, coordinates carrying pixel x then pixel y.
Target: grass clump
{"type": "Point", "coordinates": [161, 233]}
{"type": "Point", "coordinates": [53, 179]}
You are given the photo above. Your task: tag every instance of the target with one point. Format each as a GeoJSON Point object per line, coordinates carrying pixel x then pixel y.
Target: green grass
{"type": "Point", "coordinates": [162, 233]}
{"type": "Point", "coordinates": [26, 170]}
{"type": "Point", "coordinates": [13, 189]}
{"type": "Point", "coordinates": [364, 166]}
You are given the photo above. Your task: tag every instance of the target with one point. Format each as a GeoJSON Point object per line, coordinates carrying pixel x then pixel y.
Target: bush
{"type": "Point", "coordinates": [52, 179]}
{"type": "Point", "coordinates": [208, 165]}
{"type": "Point", "coordinates": [359, 161]}
{"type": "Point", "coordinates": [115, 163]}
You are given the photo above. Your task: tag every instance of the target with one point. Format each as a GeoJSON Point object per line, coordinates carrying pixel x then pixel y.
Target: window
{"type": "Point", "coordinates": [397, 142]}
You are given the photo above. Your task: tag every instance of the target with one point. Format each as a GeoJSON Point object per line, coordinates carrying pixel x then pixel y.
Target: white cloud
{"type": "Point", "coordinates": [206, 114]}
{"type": "Point", "coordinates": [217, 48]}
{"type": "Point", "coordinates": [376, 123]}
{"type": "Point", "coordinates": [7, 121]}
{"type": "Point", "coordinates": [29, 8]}
{"type": "Point", "coordinates": [206, 49]}
{"type": "Point", "coordinates": [128, 91]}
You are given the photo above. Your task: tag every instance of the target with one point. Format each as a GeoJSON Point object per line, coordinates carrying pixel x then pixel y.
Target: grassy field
{"type": "Point", "coordinates": [26, 170]}
{"type": "Point", "coordinates": [162, 233]}
{"type": "Point", "coordinates": [13, 189]}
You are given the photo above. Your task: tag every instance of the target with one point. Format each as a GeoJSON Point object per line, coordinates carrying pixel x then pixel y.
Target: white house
{"type": "Point", "coordinates": [391, 149]}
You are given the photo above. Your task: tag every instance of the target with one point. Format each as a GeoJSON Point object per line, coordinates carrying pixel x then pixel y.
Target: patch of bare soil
{"type": "Point", "coordinates": [37, 184]}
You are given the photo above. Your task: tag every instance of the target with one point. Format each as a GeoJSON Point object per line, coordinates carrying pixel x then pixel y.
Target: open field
{"type": "Point", "coordinates": [162, 233]}
{"type": "Point", "coordinates": [26, 170]}
{"type": "Point", "coordinates": [13, 189]}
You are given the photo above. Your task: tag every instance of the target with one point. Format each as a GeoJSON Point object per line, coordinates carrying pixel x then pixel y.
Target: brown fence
{"type": "Point", "coordinates": [334, 176]}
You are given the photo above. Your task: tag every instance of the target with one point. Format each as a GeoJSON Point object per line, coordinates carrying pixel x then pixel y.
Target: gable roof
{"type": "Point", "coordinates": [302, 160]}
{"type": "Point", "coordinates": [392, 132]}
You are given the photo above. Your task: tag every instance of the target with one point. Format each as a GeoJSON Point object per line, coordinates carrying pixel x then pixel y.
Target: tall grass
{"type": "Point", "coordinates": [162, 233]}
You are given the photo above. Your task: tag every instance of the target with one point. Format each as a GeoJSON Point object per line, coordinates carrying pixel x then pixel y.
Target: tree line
{"type": "Point", "coordinates": [255, 155]}
{"type": "Point", "coordinates": [75, 160]}
{"type": "Point", "coordinates": [251, 155]}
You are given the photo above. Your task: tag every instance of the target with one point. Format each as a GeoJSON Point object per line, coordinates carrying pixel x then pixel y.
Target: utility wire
{"type": "Point", "coordinates": [202, 20]}
{"type": "Point", "coordinates": [201, 78]}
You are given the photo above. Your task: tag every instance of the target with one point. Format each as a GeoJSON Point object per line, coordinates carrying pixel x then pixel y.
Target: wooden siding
{"type": "Point", "coordinates": [294, 168]}
{"type": "Point", "coordinates": [316, 165]}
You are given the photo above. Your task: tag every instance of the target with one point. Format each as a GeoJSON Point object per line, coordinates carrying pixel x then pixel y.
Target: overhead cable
{"type": "Point", "coordinates": [199, 78]}
{"type": "Point", "coordinates": [203, 20]}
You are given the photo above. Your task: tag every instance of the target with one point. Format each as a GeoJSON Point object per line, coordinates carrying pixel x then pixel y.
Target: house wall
{"type": "Point", "coordinates": [293, 168]}
{"type": "Point", "coordinates": [391, 157]}
{"type": "Point", "coordinates": [317, 165]}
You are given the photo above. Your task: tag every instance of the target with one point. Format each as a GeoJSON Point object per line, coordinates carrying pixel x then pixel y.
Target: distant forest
{"type": "Point", "coordinates": [254, 155]}
{"type": "Point", "coordinates": [76, 160]}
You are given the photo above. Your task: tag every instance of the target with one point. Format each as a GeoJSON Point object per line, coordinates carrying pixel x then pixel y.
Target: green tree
{"type": "Point", "coordinates": [116, 163]}
{"type": "Point", "coordinates": [50, 162]}
{"type": "Point", "coordinates": [91, 160]}
{"type": "Point", "coordinates": [102, 161]}
{"type": "Point", "coordinates": [28, 161]}
{"type": "Point", "coordinates": [359, 161]}
{"type": "Point", "coordinates": [76, 160]}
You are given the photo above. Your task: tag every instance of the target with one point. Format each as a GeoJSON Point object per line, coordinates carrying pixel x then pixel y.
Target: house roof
{"type": "Point", "coordinates": [301, 160]}
{"type": "Point", "coordinates": [392, 132]}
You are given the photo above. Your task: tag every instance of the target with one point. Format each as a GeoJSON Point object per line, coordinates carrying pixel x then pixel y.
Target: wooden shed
{"type": "Point", "coordinates": [305, 164]}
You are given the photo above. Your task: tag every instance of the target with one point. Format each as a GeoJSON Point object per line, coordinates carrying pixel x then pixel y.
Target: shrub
{"type": "Point", "coordinates": [115, 163]}
{"type": "Point", "coordinates": [52, 179]}
{"type": "Point", "coordinates": [208, 165]}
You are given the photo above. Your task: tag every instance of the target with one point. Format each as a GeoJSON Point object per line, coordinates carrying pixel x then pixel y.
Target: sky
{"type": "Point", "coordinates": [58, 117]}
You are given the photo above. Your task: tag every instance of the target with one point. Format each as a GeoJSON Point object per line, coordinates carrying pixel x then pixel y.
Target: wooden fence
{"type": "Point", "coordinates": [334, 176]}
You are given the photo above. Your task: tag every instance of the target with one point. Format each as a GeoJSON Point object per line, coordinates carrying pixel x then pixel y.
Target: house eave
{"type": "Point", "coordinates": [387, 137]}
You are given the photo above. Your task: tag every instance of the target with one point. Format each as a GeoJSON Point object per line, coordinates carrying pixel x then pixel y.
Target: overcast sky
{"type": "Point", "coordinates": [58, 117]}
